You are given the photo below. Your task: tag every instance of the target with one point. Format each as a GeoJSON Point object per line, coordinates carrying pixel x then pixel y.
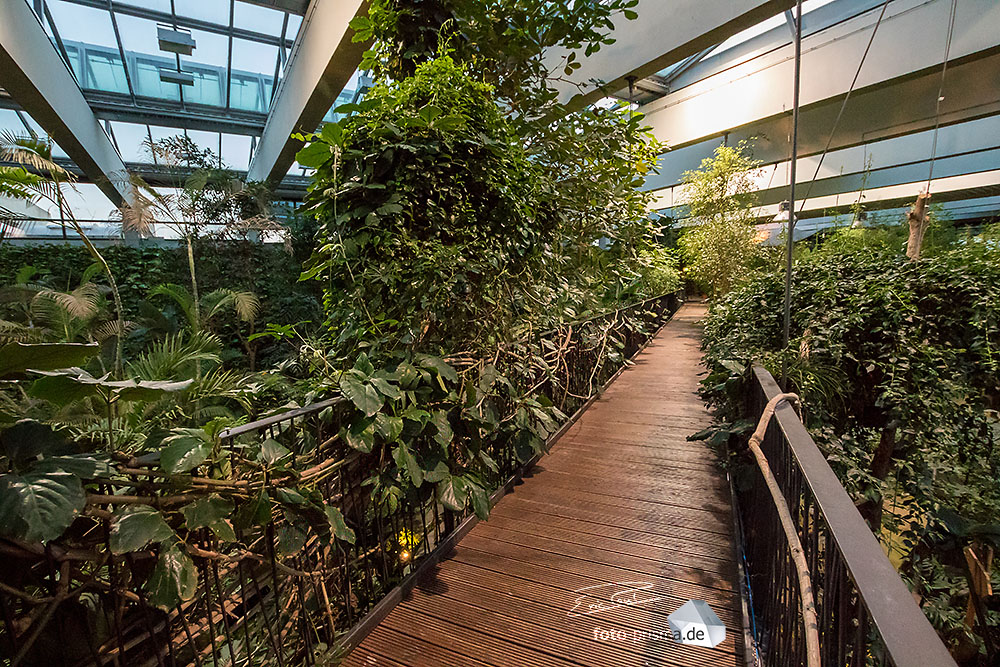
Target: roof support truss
{"type": "Point", "coordinates": [320, 65]}
{"type": "Point", "coordinates": [34, 74]}
{"type": "Point", "coordinates": [659, 38]}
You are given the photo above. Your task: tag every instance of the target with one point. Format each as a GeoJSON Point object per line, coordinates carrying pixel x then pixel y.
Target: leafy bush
{"type": "Point", "coordinates": [897, 364]}
{"type": "Point", "coordinates": [722, 244]}
{"type": "Point", "coordinates": [430, 213]}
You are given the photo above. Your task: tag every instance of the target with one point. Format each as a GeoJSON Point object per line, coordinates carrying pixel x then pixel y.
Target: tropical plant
{"type": "Point", "coordinates": [721, 245]}
{"type": "Point", "coordinates": [37, 154]}
{"type": "Point", "coordinates": [897, 366]}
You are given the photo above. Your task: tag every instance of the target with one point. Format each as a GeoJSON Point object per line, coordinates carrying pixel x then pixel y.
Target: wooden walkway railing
{"type": "Point", "coordinates": [581, 564]}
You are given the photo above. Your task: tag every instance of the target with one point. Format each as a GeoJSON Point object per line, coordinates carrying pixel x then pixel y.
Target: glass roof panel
{"type": "Point", "coordinates": [205, 10]}
{"type": "Point", "coordinates": [236, 151]}
{"type": "Point", "coordinates": [294, 23]}
{"type": "Point", "coordinates": [208, 65]}
{"type": "Point", "coordinates": [258, 19]}
{"type": "Point", "coordinates": [157, 5]}
{"type": "Point", "coordinates": [131, 139]}
{"type": "Point", "coordinates": [9, 122]}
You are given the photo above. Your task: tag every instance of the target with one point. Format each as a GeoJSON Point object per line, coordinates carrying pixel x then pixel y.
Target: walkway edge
{"type": "Point", "coordinates": [353, 637]}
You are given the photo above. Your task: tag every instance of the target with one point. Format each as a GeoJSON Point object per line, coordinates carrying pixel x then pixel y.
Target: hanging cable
{"type": "Point", "coordinates": [843, 105]}
{"type": "Point", "coordinates": [790, 227]}
{"type": "Point", "coordinates": [940, 96]}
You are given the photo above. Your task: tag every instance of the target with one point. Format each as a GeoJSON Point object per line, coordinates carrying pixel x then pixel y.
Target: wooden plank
{"type": "Point", "coordinates": [623, 506]}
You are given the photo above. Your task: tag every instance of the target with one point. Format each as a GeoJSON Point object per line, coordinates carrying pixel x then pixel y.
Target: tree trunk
{"type": "Point", "coordinates": [917, 218]}
{"type": "Point", "coordinates": [871, 510]}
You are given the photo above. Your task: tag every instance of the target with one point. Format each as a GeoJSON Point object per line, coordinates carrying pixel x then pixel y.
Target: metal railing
{"type": "Point", "coordinates": [276, 598]}
{"type": "Point", "coordinates": [865, 613]}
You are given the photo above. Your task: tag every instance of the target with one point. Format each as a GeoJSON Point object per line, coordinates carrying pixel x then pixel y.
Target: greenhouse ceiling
{"type": "Point", "coordinates": [97, 77]}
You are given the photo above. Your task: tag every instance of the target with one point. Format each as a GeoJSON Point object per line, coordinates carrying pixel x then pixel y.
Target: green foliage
{"type": "Point", "coordinates": [429, 214]}
{"type": "Point", "coordinates": [722, 246]}
{"type": "Point", "coordinates": [504, 42]}
{"type": "Point", "coordinates": [897, 364]}
{"type": "Point", "coordinates": [436, 426]}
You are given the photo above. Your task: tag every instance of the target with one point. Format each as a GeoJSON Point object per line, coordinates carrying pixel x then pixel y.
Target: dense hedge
{"type": "Point", "coordinates": [270, 271]}
{"type": "Point", "coordinates": [898, 364]}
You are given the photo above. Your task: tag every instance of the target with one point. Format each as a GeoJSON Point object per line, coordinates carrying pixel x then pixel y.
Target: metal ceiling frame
{"type": "Point", "coordinates": [324, 58]}
{"type": "Point", "coordinates": [32, 70]}
{"type": "Point", "coordinates": [183, 21]}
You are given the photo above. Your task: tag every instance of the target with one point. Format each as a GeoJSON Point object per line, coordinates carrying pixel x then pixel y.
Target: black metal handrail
{"type": "Point", "coordinates": [866, 614]}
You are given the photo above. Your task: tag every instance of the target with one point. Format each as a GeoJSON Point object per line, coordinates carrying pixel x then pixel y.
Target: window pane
{"type": "Point", "coordinates": [206, 10]}
{"type": "Point", "coordinates": [132, 140]}
{"type": "Point", "coordinates": [74, 61]}
{"type": "Point", "coordinates": [236, 151]}
{"type": "Point", "coordinates": [245, 93]}
{"type": "Point", "coordinates": [106, 72]}
{"type": "Point", "coordinates": [258, 19]}
{"type": "Point", "coordinates": [147, 78]}
{"type": "Point", "coordinates": [207, 88]}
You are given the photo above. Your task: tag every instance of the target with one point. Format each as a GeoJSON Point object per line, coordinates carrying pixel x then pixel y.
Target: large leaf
{"type": "Point", "coordinates": [364, 396]}
{"type": "Point", "coordinates": [386, 388]}
{"type": "Point", "coordinates": [340, 528]}
{"type": "Point", "coordinates": [254, 512]}
{"type": "Point", "coordinates": [73, 384]}
{"type": "Point", "coordinates": [439, 365]}
{"type": "Point", "coordinates": [480, 501]}
{"type": "Point", "coordinates": [84, 466]}
{"type": "Point", "coordinates": [186, 449]}
{"type": "Point", "coordinates": [28, 438]}
{"type": "Point", "coordinates": [16, 358]}
{"type": "Point", "coordinates": [444, 434]}
{"type": "Point", "coordinates": [453, 492]}
{"type": "Point", "coordinates": [405, 459]}
{"type": "Point", "coordinates": [314, 154]}
{"type": "Point", "coordinates": [136, 526]}
{"type": "Point", "coordinates": [360, 435]}
{"type": "Point", "coordinates": [210, 512]}
{"type": "Point", "coordinates": [39, 506]}
{"type": "Point", "coordinates": [389, 427]}
{"type": "Point", "coordinates": [205, 511]}
{"type": "Point", "coordinates": [174, 579]}
{"type": "Point", "coordinates": [272, 451]}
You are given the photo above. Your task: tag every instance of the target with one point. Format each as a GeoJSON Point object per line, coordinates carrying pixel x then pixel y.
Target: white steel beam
{"type": "Point", "coordinates": [665, 33]}
{"type": "Point", "coordinates": [896, 92]}
{"type": "Point", "coordinates": [320, 65]}
{"type": "Point", "coordinates": [964, 148]}
{"type": "Point", "coordinates": [32, 72]}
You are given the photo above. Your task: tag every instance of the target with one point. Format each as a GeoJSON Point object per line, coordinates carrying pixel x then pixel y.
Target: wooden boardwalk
{"type": "Point", "coordinates": [581, 564]}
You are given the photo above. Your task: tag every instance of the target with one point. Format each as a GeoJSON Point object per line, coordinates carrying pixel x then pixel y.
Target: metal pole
{"type": "Point", "coordinates": [790, 227]}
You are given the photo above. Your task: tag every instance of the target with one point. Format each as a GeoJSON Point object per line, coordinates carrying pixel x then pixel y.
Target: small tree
{"type": "Point", "coordinates": [720, 197]}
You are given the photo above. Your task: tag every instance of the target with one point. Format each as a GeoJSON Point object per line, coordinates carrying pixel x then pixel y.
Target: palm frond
{"type": "Point", "coordinates": [246, 304]}
{"type": "Point", "coordinates": [19, 183]}
{"type": "Point", "coordinates": [32, 152]}
{"type": "Point", "coordinates": [11, 332]}
{"type": "Point", "coordinates": [224, 384]}
{"type": "Point", "coordinates": [83, 303]}
{"type": "Point", "coordinates": [175, 357]}
{"type": "Point", "coordinates": [181, 296]}
{"type": "Point", "coordinates": [113, 328]}
{"type": "Point", "coordinates": [146, 207]}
